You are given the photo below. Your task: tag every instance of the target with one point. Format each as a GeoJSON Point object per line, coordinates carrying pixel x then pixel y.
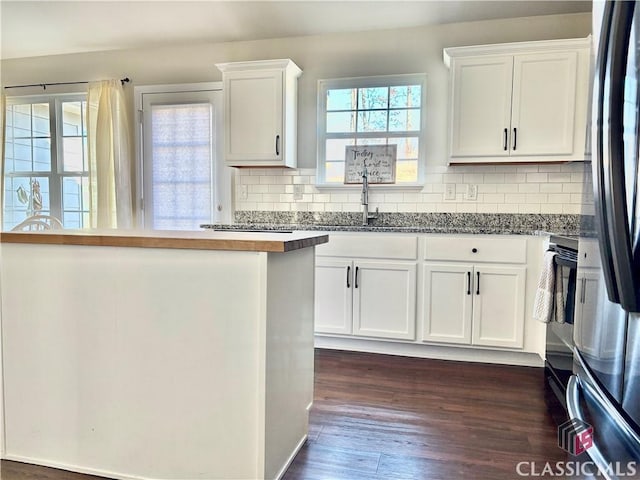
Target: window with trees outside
{"type": "Point", "coordinates": [45, 160]}
{"type": "Point", "coordinates": [382, 110]}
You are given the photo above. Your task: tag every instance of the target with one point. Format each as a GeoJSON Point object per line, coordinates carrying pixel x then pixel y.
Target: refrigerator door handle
{"type": "Point", "coordinates": [599, 133]}
{"type": "Point", "coordinates": [613, 164]}
{"type": "Point", "coordinates": [575, 412]}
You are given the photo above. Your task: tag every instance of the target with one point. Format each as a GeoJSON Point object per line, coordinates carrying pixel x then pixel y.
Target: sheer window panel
{"type": "Point", "coordinates": [182, 176]}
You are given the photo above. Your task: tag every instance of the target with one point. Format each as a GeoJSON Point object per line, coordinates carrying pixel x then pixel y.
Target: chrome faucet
{"type": "Point", "coordinates": [366, 216]}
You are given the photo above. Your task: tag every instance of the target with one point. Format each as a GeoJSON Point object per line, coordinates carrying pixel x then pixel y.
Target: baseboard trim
{"type": "Point", "coordinates": [73, 468]}
{"type": "Point", "coordinates": [286, 465]}
{"type": "Point", "coordinates": [439, 352]}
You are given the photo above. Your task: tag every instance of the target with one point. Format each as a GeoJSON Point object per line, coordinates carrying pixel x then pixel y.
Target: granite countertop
{"type": "Point", "coordinates": [273, 241]}
{"type": "Point", "coordinates": [453, 223]}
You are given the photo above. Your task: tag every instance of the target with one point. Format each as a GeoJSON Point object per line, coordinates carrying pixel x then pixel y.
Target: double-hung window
{"type": "Point", "coordinates": [45, 160]}
{"type": "Point", "coordinates": [382, 110]}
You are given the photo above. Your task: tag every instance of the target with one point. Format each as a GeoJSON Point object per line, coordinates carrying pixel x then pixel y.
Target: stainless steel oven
{"type": "Point", "coordinates": [559, 346]}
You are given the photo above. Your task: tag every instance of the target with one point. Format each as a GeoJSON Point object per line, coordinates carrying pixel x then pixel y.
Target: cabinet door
{"type": "Point", "coordinates": [384, 297]}
{"type": "Point", "coordinates": [333, 299]}
{"type": "Point", "coordinates": [254, 117]}
{"type": "Point", "coordinates": [498, 306]}
{"type": "Point", "coordinates": [481, 110]}
{"type": "Point", "coordinates": [544, 102]}
{"type": "Point", "coordinates": [447, 301]}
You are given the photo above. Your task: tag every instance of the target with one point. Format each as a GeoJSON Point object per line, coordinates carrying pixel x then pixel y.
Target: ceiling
{"type": "Point", "coordinates": [34, 28]}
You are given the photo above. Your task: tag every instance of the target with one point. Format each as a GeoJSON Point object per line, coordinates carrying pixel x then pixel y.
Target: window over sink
{"type": "Point", "coordinates": [380, 110]}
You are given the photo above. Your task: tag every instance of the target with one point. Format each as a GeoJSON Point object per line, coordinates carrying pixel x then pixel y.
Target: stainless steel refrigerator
{"type": "Point", "coordinates": [605, 388]}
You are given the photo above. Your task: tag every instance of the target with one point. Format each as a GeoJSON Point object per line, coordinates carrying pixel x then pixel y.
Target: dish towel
{"type": "Point", "coordinates": [549, 301]}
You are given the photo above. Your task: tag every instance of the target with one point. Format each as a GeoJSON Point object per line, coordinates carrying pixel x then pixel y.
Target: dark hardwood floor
{"type": "Point", "coordinates": [385, 417]}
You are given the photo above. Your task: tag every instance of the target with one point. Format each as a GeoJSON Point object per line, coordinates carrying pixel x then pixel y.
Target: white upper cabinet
{"type": "Point", "coordinates": [260, 113]}
{"type": "Point", "coordinates": [518, 102]}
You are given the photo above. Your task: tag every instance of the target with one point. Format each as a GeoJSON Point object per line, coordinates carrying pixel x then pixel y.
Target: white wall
{"type": "Point", "coordinates": [344, 55]}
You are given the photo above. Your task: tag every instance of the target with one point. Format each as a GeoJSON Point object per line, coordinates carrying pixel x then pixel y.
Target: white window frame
{"type": "Point", "coordinates": [224, 175]}
{"type": "Point", "coordinates": [57, 173]}
{"type": "Point", "coordinates": [370, 82]}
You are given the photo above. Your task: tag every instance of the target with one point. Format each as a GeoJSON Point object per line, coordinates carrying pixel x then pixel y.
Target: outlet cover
{"type": "Point", "coordinates": [243, 192]}
{"type": "Point", "coordinates": [298, 190]}
{"type": "Point", "coordinates": [450, 191]}
{"type": "Point", "coordinates": [472, 192]}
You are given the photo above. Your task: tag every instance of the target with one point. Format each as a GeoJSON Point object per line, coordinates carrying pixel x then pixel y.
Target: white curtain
{"type": "Point", "coordinates": [109, 155]}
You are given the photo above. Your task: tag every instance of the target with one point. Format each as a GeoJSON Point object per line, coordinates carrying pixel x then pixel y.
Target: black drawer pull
{"type": "Point", "coordinates": [478, 284]}
{"type": "Point", "coordinates": [348, 275]}
{"type": "Point", "coordinates": [468, 283]}
{"type": "Point", "coordinates": [474, 250]}
{"type": "Point", "coordinates": [356, 280]}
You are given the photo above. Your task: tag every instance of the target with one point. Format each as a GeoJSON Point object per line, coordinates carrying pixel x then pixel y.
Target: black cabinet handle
{"type": "Point", "coordinates": [356, 279]}
{"type": "Point", "coordinates": [474, 250]}
{"type": "Point", "coordinates": [468, 283]}
{"type": "Point", "coordinates": [478, 284]}
{"type": "Point", "coordinates": [277, 145]}
{"type": "Point", "coordinates": [515, 137]}
{"type": "Point", "coordinates": [348, 275]}
{"type": "Point", "coordinates": [504, 145]}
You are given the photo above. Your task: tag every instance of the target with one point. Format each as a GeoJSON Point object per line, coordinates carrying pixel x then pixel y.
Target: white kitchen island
{"type": "Point", "coordinates": [157, 355]}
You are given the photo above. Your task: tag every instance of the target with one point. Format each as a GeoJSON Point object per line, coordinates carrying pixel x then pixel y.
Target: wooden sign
{"type": "Point", "coordinates": [380, 161]}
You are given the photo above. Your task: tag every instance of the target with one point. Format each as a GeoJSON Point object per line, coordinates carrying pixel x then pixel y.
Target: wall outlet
{"type": "Point", "coordinates": [472, 192]}
{"type": "Point", "coordinates": [243, 192]}
{"type": "Point", "coordinates": [298, 190]}
{"type": "Point", "coordinates": [450, 191]}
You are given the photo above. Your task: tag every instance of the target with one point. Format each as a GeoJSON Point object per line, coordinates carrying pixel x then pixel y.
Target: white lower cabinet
{"type": "Point", "coordinates": [366, 298]}
{"type": "Point", "coordinates": [474, 304]}
{"type": "Point", "coordinates": [429, 295]}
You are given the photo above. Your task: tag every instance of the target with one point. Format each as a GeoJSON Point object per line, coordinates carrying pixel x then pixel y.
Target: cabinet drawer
{"type": "Point", "coordinates": [370, 246]}
{"type": "Point", "coordinates": [481, 249]}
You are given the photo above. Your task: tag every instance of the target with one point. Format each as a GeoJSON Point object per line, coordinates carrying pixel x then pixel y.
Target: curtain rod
{"type": "Point", "coordinates": [45, 85]}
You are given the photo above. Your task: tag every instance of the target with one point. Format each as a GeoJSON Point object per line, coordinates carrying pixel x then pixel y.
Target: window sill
{"type": "Point", "coordinates": [405, 187]}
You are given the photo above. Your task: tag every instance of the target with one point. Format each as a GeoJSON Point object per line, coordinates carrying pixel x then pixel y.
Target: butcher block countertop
{"type": "Point", "coordinates": [195, 240]}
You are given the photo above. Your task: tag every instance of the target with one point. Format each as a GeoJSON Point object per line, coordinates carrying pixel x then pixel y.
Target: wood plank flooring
{"type": "Point", "coordinates": [386, 417]}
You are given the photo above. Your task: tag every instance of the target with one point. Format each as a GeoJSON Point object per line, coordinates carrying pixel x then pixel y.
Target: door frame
{"type": "Point", "coordinates": [226, 175]}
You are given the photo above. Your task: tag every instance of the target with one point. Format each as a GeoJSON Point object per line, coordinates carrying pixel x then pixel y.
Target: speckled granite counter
{"type": "Point", "coordinates": [464, 223]}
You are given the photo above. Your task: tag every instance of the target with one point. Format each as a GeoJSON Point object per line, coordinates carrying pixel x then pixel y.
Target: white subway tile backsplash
{"type": "Point", "coordinates": [537, 177]}
{"type": "Point", "coordinates": [546, 189]}
{"type": "Point", "coordinates": [487, 207]}
{"type": "Point", "coordinates": [551, 208]}
{"type": "Point", "coordinates": [572, 187]}
{"type": "Point", "coordinates": [560, 177]}
{"type": "Point", "coordinates": [551, 188]}
{"type": "Point", "coordinates": [559, 198]}
{"type": "Point", "coordinates": [515, 198]}
{"type": "Point", "coordinates": [473, 178]}
{"type": "Point", "coordinates": [529, 188]}
{"type": "Point", "coordinates": [507, 188]}
{"type": "Point", "coordinates": [572, 208]}
{"type": "Point", "coordinates": [536, 198]}
{"type": "Point", "coordinates": [515, 178]}
{"type": "Point", "coordinates": [493, 198]}
{"type": "Point", "coordinates": [487, 188]}
{"type": "Point", "coordinates": [526, 208]}
{"type": "Point", "coordinates": [494, 178]}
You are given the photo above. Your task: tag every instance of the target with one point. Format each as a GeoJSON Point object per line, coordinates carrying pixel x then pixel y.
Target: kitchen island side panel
{"type": "Point", "coordinates": [133, 363]}
{"type": "Point", "coordinates": [289, 356]}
